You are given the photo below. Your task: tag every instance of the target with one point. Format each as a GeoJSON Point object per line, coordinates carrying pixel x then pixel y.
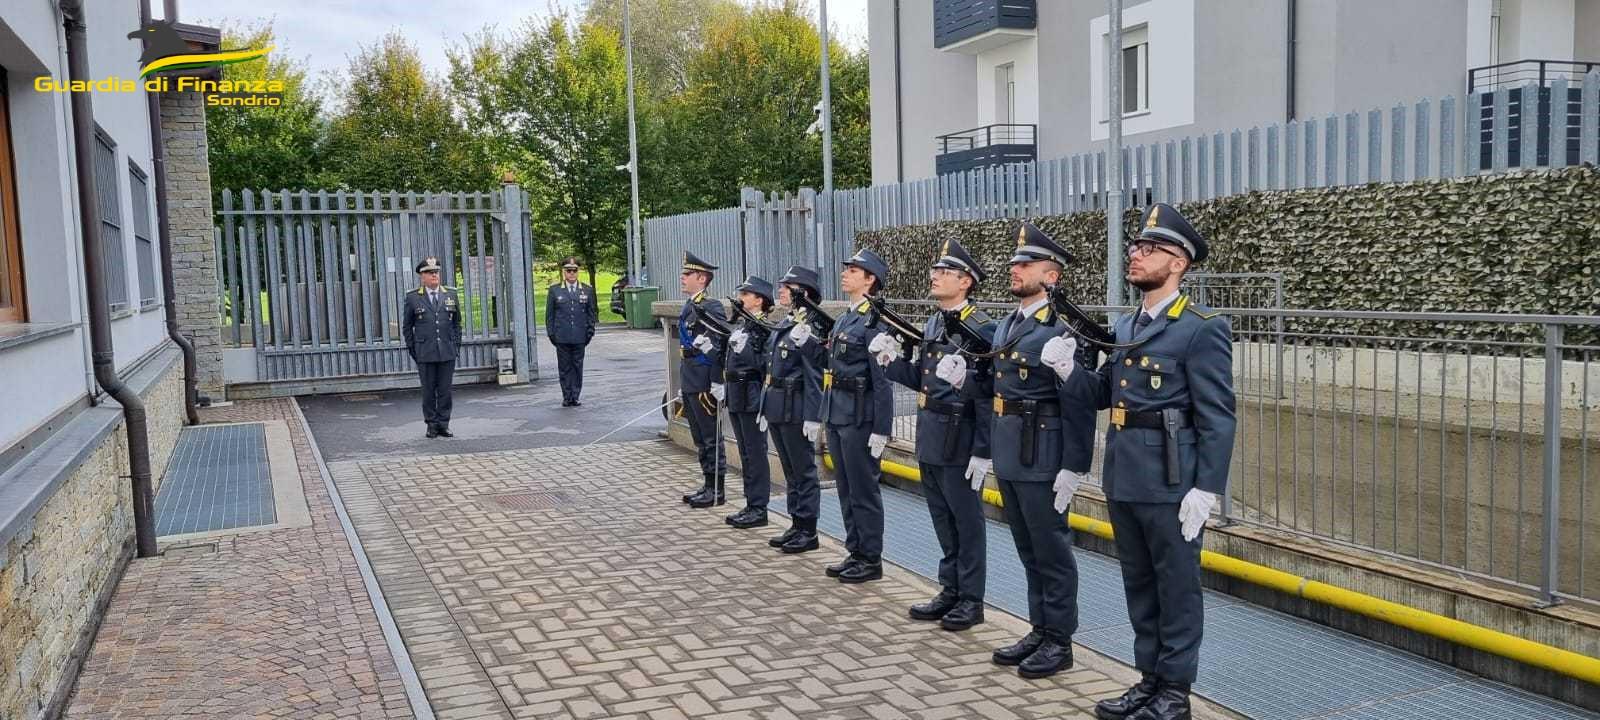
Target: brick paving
{"type": "Point", "coordinates": [269, 625]}
{"type": "Point", "coordinates": [572, 583]}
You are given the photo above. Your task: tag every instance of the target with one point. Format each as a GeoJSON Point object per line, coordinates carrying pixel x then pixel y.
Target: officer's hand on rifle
{"type": "Point", "coordinates": [737, 340]}
{"type": "Point", "coordinates": [1066, 486]}
{"type": "Point", "coordinates": [702, 343]}
{"type": "Point", "coordinates": [1058, 354]}
{"type": "Point", "coordinates": [718, 391]}
{"type": "Point", "coordinates": [876, 443]}
{"type": "Point", "coordinates": [1193, 511]}
{"type": "Point", "coordinates": [952, 369]}
{"type": "Point", "coordinates": [761, 423]}
{"type": "Point", "coordinates": [883, 349]}
{"type": "Point", "coordinates": [811, 430]}
{"type": "Point", "coordinates": [801, 334]}
{"type": "Point", "coordinates": [977, 470]}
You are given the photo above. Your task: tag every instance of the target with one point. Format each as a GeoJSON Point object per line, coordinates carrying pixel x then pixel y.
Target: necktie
{"type": "Point", "coordinates": [1140, 323]}
{"type": "Point", "coordinates": [433, 298]}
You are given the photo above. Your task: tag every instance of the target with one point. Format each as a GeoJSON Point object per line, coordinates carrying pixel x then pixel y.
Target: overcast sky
{"type": "Point", "coordinates": [325, 33]}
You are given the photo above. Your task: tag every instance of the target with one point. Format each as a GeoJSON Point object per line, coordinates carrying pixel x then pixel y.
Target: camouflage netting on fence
{"type": "Point", "coordinates": [1526, 242]}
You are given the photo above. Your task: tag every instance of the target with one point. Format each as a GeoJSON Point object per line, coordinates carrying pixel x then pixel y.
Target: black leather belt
{"type": "Point", "coordinates": [952, 436]}
{"type": "Point", "coordinates": [856, 386]}
{"type": "Point", "coordinates": [741, 375]}
{"type": "Point", "coordinates": [791, 387]}
{"type": "Point", "coordinates": [1169, 421]}
{"type": "Point", "coordinates": [1028, 410]}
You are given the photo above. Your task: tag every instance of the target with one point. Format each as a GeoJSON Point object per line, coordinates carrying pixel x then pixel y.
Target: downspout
{"type": "Point", "coordinates": [169, 295]}
{"type": "Point", "coordinates": [899, 125]}
{"type": "Point", "coordinates": [105, 371]}
{"type": "Point", "coordinates": [1292, 52]}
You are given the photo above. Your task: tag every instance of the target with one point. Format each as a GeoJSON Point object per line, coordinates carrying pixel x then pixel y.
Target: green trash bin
{"type": "Point", "coordinates": [636, 306]}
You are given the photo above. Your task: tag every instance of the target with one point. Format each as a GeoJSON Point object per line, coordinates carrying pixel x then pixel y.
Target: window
{"type": "Point", "coordinates": [13, 303]}
{"type": "Point", "coordinates": [108, 198]}
{"type": "Point", "coordinates": [1136, 70]}
{"type": "Point", "coordinates": [1005, 93]}
{"type": "Point", "coordinates": [143, 248]}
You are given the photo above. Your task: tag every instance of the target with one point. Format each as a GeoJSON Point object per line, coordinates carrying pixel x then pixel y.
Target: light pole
{"type": "Point", "coordinates": [1114, 251]}
{"type": "Point", "coordinates": [827, 106]}
{"type": "Point", "coordinates": [634, 259]}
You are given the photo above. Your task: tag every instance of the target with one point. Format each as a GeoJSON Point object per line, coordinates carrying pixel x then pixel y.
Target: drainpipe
{"type": "Point", "coordinates": [1292, 52]}
{"type": "Point", "coordinates": [169, 294]}
{"type": "Point", "coordinates": [105, 371]}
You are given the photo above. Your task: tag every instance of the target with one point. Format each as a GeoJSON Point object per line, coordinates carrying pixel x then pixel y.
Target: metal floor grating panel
{"type": "Point", "coordinates": [218, 479]}
{"type": "Point", "coordinates": [1315, 671]}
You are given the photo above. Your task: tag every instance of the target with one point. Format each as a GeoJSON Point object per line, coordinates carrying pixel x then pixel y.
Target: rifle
{"type": "Point", "coordinates": [1079, 323]}
{"type": "Point", "coordinates": [713, 327]}
{"type": "Point", "coordinates": [738, 309]}
{"type": "Point", "coordinates": [823, 319]}
{"type": "Point", "coordinates": [904, 330]}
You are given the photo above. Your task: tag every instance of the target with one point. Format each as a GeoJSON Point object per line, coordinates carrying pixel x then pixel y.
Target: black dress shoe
{"type": "Point", "coordinates": [696, 496]}
{"type": "Point", "coordinates": [803, 541]}
{"type": "Point", "coordinates": [433, 432]}
{"type": "Point", "coordinates": [445, 432]}
{"type": "Point", "coordinates": [1136, 697]}
{"type": "Point", "coordinates": [1171, 702]}
{"type": "Point", "coordinates": [937, 607]}
{"type": "Point", "coordinates": [575, 403]}
{"type": "Point", "coordinates": [839, 567]}
{"type": "Point", "coordinates": [863, 571]}
{"type": "Point", "coordinates": [708, 499]}
{"type": "Point", "coordinates": [964, 615]}
{"type": "Point", "coordinates": [741, 513]}
{"type": "Point", "coordinates": [1018, 651]}
{"type": "Point", "coordinates": [783, 539]}
{"type": "Point", "coordinates": [1051, 657]}
{"type": "Point", "coordinates": [750, 518]}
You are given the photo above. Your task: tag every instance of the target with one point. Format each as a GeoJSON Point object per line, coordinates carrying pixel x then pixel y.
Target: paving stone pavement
{"type": "Point", "coordinates": [267, 625]}
{"type": "Point", "coordinates": [572, 583]}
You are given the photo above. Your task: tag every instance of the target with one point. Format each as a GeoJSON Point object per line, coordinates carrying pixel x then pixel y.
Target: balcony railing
{"type": "Point", "coordinates": [984, 146]}
{"type": "Point", "coordinates": [1552, 113]}
{"type": "Point", "coordinates": [957, 20]}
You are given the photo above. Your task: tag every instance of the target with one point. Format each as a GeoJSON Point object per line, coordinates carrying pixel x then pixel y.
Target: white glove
{"type": "Point", "coordinates": [811, 430]}
{"type": "Point", "coordinates": [1194, 510]}
{"type": "Point", "coordinates": [761, 423]}
{"type": "Point", "coordinates": [801, 334]}
{"type": "Point", "coordinates": [952, 369]}
{"type": "Point", "coordinates": [718, 391]}
{"type": "Point", "coordinates": [1065, 487]}
{"type": "Point", "coordinates": [1058, 354]}
{"type": "Point", "coordinates": [977, 469]}
{"type": "Point", "coordinates": [702, 343]}
{"type": "Point", "coordinates": [876, 443]}
{"type": "Point", "coordinates": [880, 343]}
{"type": "Point", "coordinates": [737, 340]}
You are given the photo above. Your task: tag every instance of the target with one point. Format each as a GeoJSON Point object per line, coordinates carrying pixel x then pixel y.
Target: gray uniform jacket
{"type": "Point", "coordinates": [745, 369]}
{"type": "Point", "coordinates": [697, 370]}
{"type": "Point", "coordinates": [432, 333]}
{"type": "Point", "coordinates": [1037, 430]}
{"type": "Point", "coordinates": [855, 392]}
{"type": "Point", "coordinates": [1185, 363]}
{"type": "Point", "coordinates": [952, 425]}
{"type": "Point", "coordinates": [792, 390]}
{"type": "Point", "coordinates": [570, 316]}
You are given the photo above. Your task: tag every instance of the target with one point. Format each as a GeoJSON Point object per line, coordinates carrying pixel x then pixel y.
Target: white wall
{"type": "Point", "coordinates": [1537, 30]}
{"type": "Point", "coordinates": [1024, 58]}
{"type": "Point", "coordinates": [1170, 25]}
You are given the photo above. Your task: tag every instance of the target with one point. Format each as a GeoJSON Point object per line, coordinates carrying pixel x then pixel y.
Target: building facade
{"type": "Point", "coordinates": [964, 83]}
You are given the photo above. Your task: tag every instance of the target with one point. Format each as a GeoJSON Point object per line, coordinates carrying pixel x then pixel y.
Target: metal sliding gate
{"type": "Point", "coordinates": [311, 285]}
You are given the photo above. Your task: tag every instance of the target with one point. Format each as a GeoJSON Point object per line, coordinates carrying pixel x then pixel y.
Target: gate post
{"type": "Point", "coordinates": [521, 318]}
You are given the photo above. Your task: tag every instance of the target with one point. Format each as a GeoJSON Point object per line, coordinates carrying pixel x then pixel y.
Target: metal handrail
{"type": "Point", "coordinates": [1519, 71]}
{"type": "Point", "coordinates": [968, 139]}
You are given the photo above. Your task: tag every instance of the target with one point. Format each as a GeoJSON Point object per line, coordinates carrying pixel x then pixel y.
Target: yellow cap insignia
{"type": "Point", "coordinates": [946, 249]}
{"type": "Point", "coordinates": [1022, 236]}
{"type": "Point", "coordinates": [1155, 212]}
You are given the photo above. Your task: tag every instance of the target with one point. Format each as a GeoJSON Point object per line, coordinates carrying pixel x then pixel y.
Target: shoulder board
{"type": "Point", "coordinates": [1176, 309]}
{"type": "Point", "coordinates": [1202, 313]}
{"type": "Point", "coordinates": [978, 317]}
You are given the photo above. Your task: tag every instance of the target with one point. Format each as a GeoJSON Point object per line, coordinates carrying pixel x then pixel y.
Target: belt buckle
{"type": "Point", "coordinates": [1119, 417]}
{"type": "Point", "coordinates": [999, 405]}
{"type": "Point", "coordinates": [922, 400]}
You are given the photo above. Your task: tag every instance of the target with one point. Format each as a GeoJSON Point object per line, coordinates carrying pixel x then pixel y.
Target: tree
{"type": "Point", "coordinates": [552, 99]}
{"type": "Point", "coordinates": [397, 129]}
{"type": "Point", "coordinates": [666, 36]}
{"type": "Point", "coordinates": [265, 147]}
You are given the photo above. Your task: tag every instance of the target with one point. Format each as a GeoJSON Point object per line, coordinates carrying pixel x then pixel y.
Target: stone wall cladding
{"type": "Point", "coordinates": [194, 257]}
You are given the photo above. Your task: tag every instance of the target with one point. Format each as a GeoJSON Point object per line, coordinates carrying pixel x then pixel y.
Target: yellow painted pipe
{"type": "Point", "coordinates": [1522, 650]}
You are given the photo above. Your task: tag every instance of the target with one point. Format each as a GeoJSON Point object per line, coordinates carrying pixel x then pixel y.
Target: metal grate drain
{"type": "Point", "coordinates": [525, 502]}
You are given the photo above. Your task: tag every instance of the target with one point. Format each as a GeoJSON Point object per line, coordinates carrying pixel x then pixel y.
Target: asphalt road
{"type": "Point", "coordinates": [623, 377]}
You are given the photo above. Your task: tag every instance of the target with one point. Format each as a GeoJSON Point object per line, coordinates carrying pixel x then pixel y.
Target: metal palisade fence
{"type": "Point", "coordinates": [1558, 123]}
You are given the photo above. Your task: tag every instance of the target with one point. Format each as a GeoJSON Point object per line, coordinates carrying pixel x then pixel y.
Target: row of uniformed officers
{"type": "Point", "coordinates": [1027, 412]}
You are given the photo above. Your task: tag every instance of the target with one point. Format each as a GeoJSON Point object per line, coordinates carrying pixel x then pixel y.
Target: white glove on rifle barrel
{"type": "Point", "coordinates": [1193, 511]}
{"type": "Point", "coordinates": [977, 470]}
{"type": "Point", "coordinates": [1058, 353]}
{"type": "Point", "coordinates": [952, 369]}
{"type": "Point", "coordinates": [801, 334]}
{"type": "Point", "coordinates": [737, 340]}
{"type": "Point", "coordinates": [811, 430]}
{"type": "Point", "coordinates": [876, 443]}
{"type": "Point", "coordinates": [702, 343]}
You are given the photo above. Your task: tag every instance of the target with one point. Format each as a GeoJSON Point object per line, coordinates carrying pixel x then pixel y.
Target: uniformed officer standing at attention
{"type": "Point", "coordinates": [746, 366]}
{"type": "Point", "coordinates": [570, 315]}
{"type": "Point", "coordinates": [858, 411]}
{"type": "Point", "coordinates": [952, 437]}
{"type": "Point", "coordinates": [430, 322]}
{"type": "Point", "coordinates": [699, 376]}
{"type": "Point", "coordinates": [1042, 448]}
{"type": "Point", "coordinates": [1166, 461]}
{"type": "Point", "coordinates": [793, 393]}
